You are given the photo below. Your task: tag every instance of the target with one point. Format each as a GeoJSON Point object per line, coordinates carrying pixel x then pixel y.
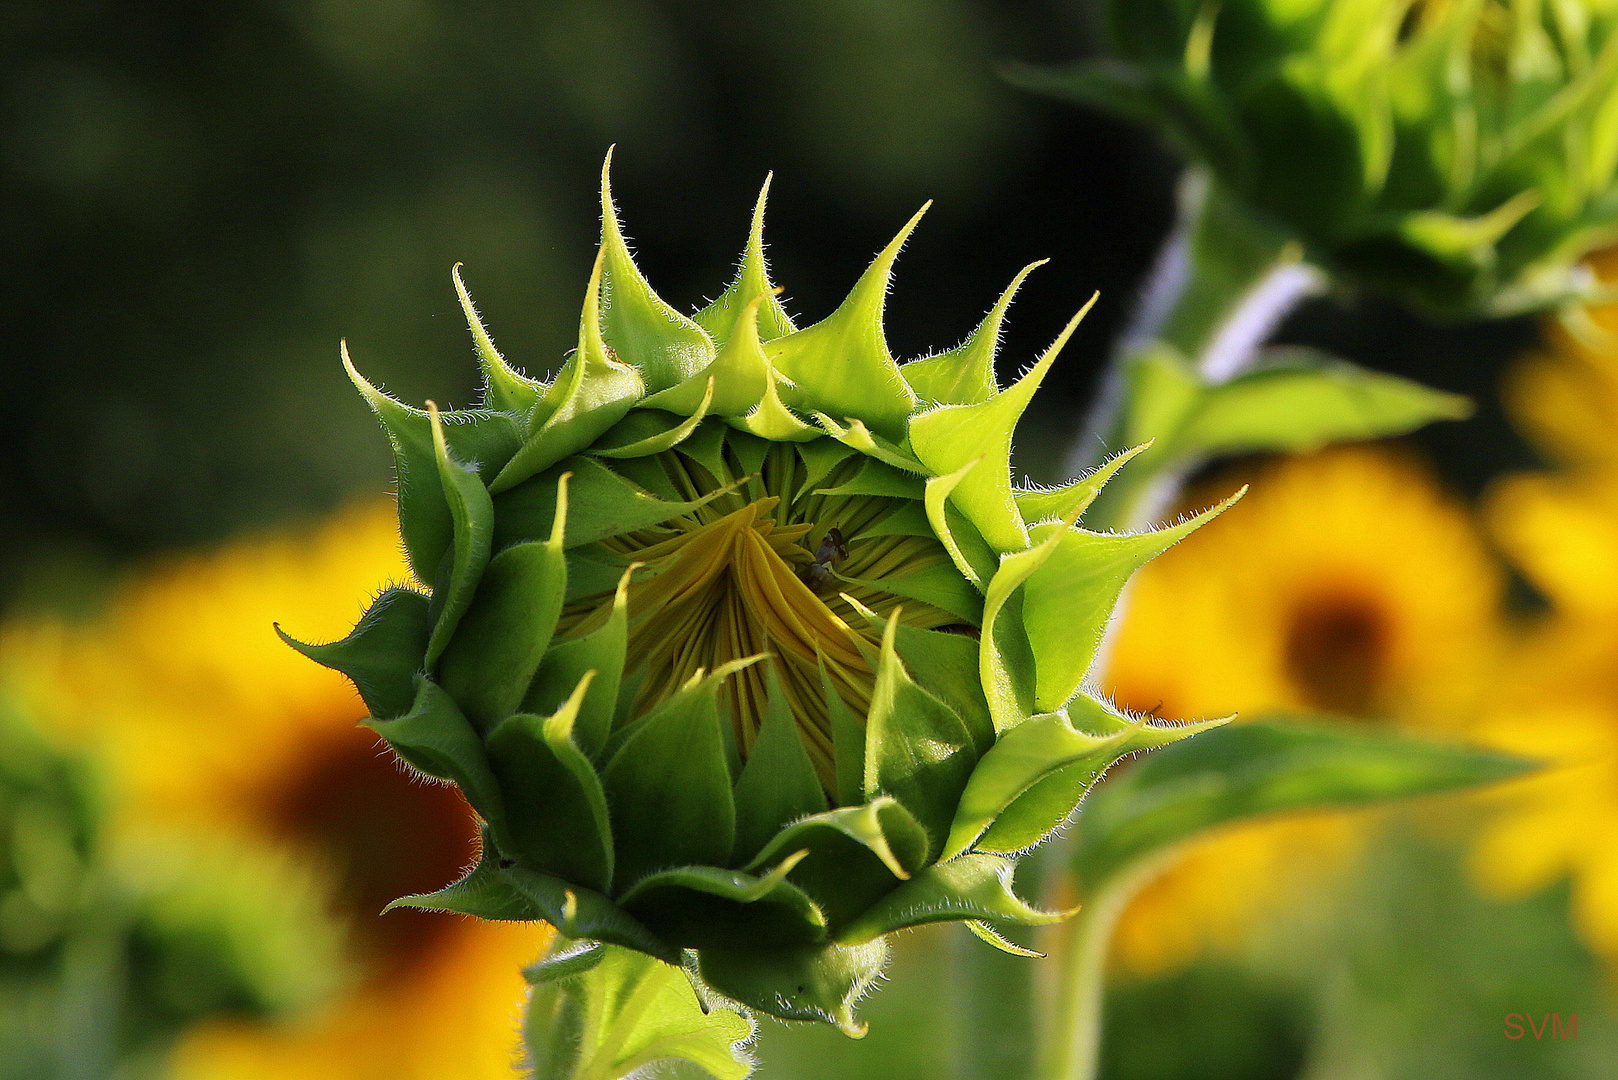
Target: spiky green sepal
{"type": "Point", "coordinates": [739, 637]}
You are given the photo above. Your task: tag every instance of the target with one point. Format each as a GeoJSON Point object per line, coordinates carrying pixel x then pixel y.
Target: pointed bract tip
{"type": "Point", "coordinates": [758, 206]}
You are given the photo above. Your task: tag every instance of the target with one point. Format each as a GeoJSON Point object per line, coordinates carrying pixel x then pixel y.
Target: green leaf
{"type": "Point", "coordinates": [697, 907]}
{"type": "Point", "coordinates": [946, 666]}
{"type": "Point", "coordinates": [740, 374]}
{"type": "Point", "coordinates": [752, 283]}
{"type": "Point", "coordinates": [666, 346]}
{"type": "Point", "coordinates": [847, 744]}
{"type": "Point", "coordinates": [916, 749]}
{"type": "Point", "coordinates": [841, 365]}
{"type": "Point", "coordinates": [556, 812]}
{"type": "Point", "coordinates": [603, 652]}
{"type": "Point", "coordinates": [1069, 596]}
{"type": "Point", "coordinates": [600, 1013]}
{"type": "Point", "coordinates": [875, 478]}
{"type": "Point", "coordinates": [778, 784]}
{"type": "Point", "coordinates": [592, 393]}
{"type": "Point", "coordinates": [383, 653]}
{"type": "Point", "coordinates": [665, 436]}
{"type": "Point", "coordinates": [816, 983]}
{"type": "Point", "coordinates": [857, 854]}
{"type": "Point", "coordinates": [489, 663]}
{"type": "Point", "coordinates": [1037, 772]}
{"type": "Point", "coordinates": [853, 432]}
{"type": "Point", "coordinates": [484, 440]}
{"type": "Point", "coordinates": [951, 436]}
{"type": "Point", "coordinates": [1005, 657]}
{"type": "Point", "coordinates": [1059, 504]}
{"type": "Point", "coordinates": [436, 737]}
{"type": "Point", "coordinates": [965, 375]}
{"type": "Point", "coordinates": [472, 514]}
{"type": "Point", "coordinates": [1301, 400]}
{"type": "Point", "coordinates": [602, 504]}
{"type": "Point", "coordinates": [938, 584]}
{"type": "Point", "coordinates": [967, 887]}
{"type": "Point", "coordinates": [1251, 769]}
{"type": "Point", "coordinates": [669, 784]}
{"type": "Point", "coordinates": [936, 503]}
{"type": "Point", "coordinates": [504, 388]}
{"type": "Point", "coordinates": [578, 912]}
{"type": "Point", "coordinates": [482, 892]}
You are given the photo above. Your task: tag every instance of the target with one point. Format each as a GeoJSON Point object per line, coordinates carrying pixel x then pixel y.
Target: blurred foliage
{"type": "Point", "coordinates": [199, 200]}
{"type": "Point", "coordinates": [108, 952]}
{"type": "Point", "coordinates": [202, 199]}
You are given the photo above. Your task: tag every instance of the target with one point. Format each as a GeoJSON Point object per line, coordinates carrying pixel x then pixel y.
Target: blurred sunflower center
{"type": "Point", "coordinates": [381, 834]}
{"type": "Point", "coordinates": [1336, 652]}
{"type": "Point", "coordinates": [773, 566]}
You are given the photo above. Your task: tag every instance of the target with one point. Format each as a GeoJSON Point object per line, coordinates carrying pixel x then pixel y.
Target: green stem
{"type": "Point", "coordinates": [1221, 285]}
{"type": "Point", "coordinates": [1072, 1042]}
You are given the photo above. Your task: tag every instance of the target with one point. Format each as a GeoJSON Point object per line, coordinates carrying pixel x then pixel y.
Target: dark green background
{"type": "Point", "coordinates": [197, 200]}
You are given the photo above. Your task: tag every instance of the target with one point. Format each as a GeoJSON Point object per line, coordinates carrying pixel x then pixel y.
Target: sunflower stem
{"type": "Point", "coordinates": [1221, 285]}
{"type": "Point", "coordinates": [1073, 1031]}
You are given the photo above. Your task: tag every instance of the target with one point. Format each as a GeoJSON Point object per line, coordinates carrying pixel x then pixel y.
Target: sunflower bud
{"type": "Point", "coordinates": [740, 639]}
{"type": "Point", "coordinates": [1458, 154]}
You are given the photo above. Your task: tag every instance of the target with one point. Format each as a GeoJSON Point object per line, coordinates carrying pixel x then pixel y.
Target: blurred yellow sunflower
{"type": "Point", "coordinates": [1346, 583]}
{"type": "Point", "coordinates": [1560, 701]}
{"type": "Point", "coordinates": [211, 727]}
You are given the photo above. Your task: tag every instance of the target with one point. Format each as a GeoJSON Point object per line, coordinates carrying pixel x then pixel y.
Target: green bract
{"type": "Point", "coordinates": [1457, 153]}
{"type": "Point", "coordinates": [739, 637]}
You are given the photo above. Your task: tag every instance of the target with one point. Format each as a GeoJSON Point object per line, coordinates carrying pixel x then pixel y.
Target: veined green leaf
{"type": "Point", "coordinates": [1301, 400]}
{"type": "Point", "coordinates": [1252, 769]}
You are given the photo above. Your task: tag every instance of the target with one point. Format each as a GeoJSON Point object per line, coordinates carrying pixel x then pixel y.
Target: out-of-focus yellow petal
{"type": "Point", "coordinates": [1345, 583]}
{"type": "Point", "coordinates": [210, 726]}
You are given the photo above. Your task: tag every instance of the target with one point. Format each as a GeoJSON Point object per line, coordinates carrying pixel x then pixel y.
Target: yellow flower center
{"type": "Point", "coordinates": [777, 568]}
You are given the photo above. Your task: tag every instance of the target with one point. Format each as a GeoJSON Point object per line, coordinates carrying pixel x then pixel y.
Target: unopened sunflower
{"type": "Point", "coordinates": [1459, 154]}
{"type": "Point", "coordinates": [1348, 585]}
{"type": "Point", "coordinates": [740, 639]}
